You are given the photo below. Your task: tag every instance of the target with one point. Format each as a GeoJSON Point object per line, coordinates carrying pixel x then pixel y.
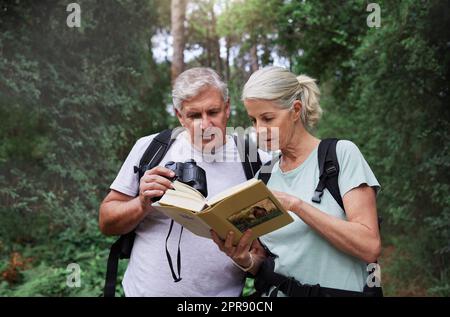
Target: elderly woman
{"type": "Point", "coordinates": [326, 246]}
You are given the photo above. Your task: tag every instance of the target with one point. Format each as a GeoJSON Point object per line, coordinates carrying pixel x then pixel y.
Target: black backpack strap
{"type": "Point", "coordinates": [155, 151]}
{"type": "Point", "coordinates": [111, 268]}
{"type": "Point", "coordinates": [266, 278]}
{"type": "Point", "coordinates": [266, 169]}
{"type": "Point", "coordinates": [329, 172]}
{"type": "Point", "coordinates": [121, 249]}
{"type": "Point", "coordinates": [248, 154]}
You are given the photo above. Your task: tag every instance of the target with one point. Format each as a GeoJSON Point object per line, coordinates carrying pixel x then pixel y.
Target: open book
{"type": "Point", "coordinates": [244, 206]}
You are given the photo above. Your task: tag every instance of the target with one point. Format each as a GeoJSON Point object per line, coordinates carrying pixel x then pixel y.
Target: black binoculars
{"type": "Point", "coordinates": [189, 173]}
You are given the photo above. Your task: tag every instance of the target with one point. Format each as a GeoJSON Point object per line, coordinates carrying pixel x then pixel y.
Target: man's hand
{"type": "Point", "coordinates": [154, 183]}
{"type": "Point", "coordinates": [120, 213]}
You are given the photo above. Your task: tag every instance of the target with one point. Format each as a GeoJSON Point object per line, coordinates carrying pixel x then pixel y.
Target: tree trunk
{"type": "Point", "coordinates": [228, 47]}
{"type": "Point", "coordinates": [216, 43]}
{"type": "Point", "coordinates": [254, 58]}
{"type": "Point", "coordinates": [178, 15]}
{"type": "Point", "coordinates": [208, 47]}
{"type": "Point", "coordinates": [227, 59]}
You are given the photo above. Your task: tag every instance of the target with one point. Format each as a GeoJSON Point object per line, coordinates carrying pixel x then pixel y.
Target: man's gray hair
{"type": "Point", "coordinates": [192, 81]}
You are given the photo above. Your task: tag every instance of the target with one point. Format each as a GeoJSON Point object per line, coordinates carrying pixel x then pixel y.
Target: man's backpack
{"type": "Point", "coordinates": [329, 173]}
{"type": "Point", "coordinates": [121, 249]}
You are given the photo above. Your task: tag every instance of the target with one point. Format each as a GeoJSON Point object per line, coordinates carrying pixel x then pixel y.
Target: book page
{"type": "Point", "coordinates": [184, 200]}
{"type": "Point", "coordinates": [187, 189]}
{"type": "Point", "coordinates": [186, 219]}
{"type": "Point", "coordinates": [230, 191]}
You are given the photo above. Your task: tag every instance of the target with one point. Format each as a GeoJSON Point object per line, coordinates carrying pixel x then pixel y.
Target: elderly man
{"type": "Point", "coordinates": [202, 106]}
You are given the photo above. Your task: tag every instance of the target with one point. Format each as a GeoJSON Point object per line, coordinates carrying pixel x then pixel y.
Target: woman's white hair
{"type": "Point", "coordinates": [282, 87]}
{"type": "Point", "coordinates": [192, 81]}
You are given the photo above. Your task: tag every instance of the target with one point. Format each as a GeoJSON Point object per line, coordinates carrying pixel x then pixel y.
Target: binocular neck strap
{"type": "Point", "coordinates": [169, 258]}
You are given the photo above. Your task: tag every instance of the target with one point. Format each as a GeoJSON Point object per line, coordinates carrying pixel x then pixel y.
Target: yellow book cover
{"type": "Point", "coordinates": [244, 206]}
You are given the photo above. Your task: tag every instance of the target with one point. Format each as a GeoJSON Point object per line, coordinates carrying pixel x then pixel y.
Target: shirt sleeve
{"type": "Point", "coordinates": [354, 169]}
{"type": "Point", "coordinates": [126, 181]}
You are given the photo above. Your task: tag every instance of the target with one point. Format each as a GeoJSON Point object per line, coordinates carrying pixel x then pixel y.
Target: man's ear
{"type": "Point", "coordinates": [179, 116]}
{"type": "Point", "coordinates": [297, 109]}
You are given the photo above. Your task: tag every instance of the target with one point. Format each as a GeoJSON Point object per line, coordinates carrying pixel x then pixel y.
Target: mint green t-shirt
{"type": "Point", "coordinates": [302, 252]}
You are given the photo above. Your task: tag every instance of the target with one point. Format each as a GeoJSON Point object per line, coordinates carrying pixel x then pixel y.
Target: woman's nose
{"type": "Point", "coordinates": [260, 128]}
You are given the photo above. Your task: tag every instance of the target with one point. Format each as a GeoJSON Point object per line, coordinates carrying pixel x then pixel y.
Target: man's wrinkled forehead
{"type": "Point", "coordinates": [207, 99]}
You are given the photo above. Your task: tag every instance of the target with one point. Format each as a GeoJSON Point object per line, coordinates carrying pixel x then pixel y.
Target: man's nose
{"type": "Point", "coordinates": [206, 122]}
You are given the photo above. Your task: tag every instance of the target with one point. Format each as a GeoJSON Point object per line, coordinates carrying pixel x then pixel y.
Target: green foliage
{"type": "Point", "coordinates": [48, 274]}
{"type": "Point", "coordinates": [247, 24]}
{"type": "Point", "coordinates": [239, 117]}
{"type": "Point", "coordinates": [387, 90]}
{"type": "Point", "coordinates": [252, 17]}
{"type": "Point", "coordinates": [415, 64]}
{"type": "Point", "coordinates": [42, 281]}
{"type": "Point", "coordinates": [72, 103]}
{"type": "Point", "coordinates": [249, 287]}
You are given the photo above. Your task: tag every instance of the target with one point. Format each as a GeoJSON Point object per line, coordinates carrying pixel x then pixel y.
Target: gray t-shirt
{"type": "Point", "coordinates": [303, 253]}
{"type": "Point", "coordinates": [205, 270]}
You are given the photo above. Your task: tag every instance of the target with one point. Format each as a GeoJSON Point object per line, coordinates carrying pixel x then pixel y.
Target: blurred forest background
{"type": "Point", "coordinates": [74, 100]}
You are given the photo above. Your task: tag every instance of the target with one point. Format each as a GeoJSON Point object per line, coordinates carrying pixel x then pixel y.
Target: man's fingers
{"type": "Point", "coordinates": [159, 170]}
{"type": "Point", "coordinates": [152, 193]}
{"type": "Point", "coordinates": [157, 179]}
{"type": "Point", "coordinates": [152, 186]}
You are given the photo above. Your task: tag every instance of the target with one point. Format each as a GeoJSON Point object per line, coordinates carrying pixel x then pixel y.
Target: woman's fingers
{"type": "Point", "coordinates": [229, 243]}
{"type": "Point", "coordinates": [217, 240]}
{"type": "Point", "coordinates": [239, 253]}
{"type": "Point", "coordinates": [288, 201]}
{"type": "Point", "coordinates": [245, 242]}
{"type": "Point", "coordinates": [224, 246]}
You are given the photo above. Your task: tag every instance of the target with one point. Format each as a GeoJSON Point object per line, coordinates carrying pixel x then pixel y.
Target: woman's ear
{"type": "Point", "coordinates": [296, 109]}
